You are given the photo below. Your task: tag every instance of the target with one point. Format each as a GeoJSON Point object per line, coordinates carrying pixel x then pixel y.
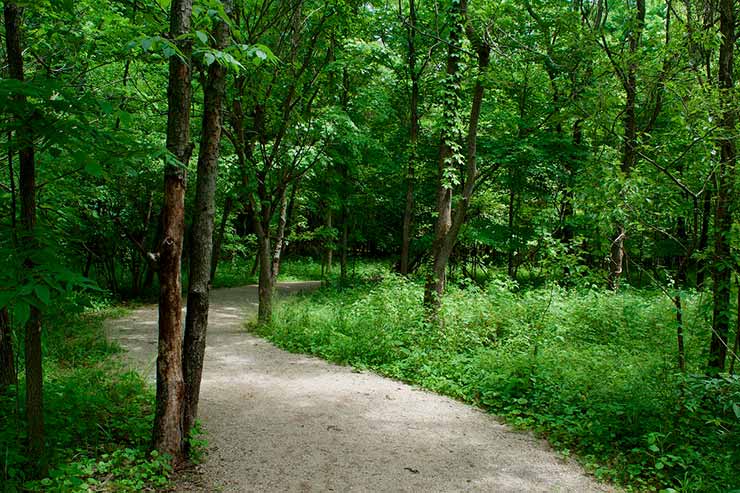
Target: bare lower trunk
{"type": "Point", "coordinates": [196, 320]}
{"type": "Point", "coordinates": [280, 238]}
{"type": "Point", "coordinates": [344, 248]}
{"type": "Point", "coordinates": [330, 246]}
{"type": "Point", "coordinates": [7, 361]}
{"type": "Point", "coordinates": [167, 435]}
{"type": "Point", "coordinates": [616, 258]}
{"type": "Point", "coordinates": [264, 312]}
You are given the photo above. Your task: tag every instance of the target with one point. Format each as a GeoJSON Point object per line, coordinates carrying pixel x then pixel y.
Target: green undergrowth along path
{"type": "Point", "coordinates": [98, 416]}
{"type": "Point", "coordinates": [594, 372]}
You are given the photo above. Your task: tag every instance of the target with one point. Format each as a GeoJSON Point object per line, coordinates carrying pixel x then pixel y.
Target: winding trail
{"type": "Point", "coordinates": [281, 422]}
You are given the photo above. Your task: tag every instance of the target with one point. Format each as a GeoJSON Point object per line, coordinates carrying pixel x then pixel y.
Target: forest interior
{"type": "Point", "coordinates": [513, 225]}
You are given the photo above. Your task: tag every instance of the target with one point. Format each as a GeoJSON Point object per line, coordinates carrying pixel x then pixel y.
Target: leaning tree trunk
{"type": "Point", "coordinates": [448, 226]}
{"type": "Point", "coordinates": [27, 242]}
{"type": "Point", "coordinates": [201, 250]}
{"type": "Point", "coordinates": [722, 262]}
{"type": "Point", "coordinates": [168, 433]}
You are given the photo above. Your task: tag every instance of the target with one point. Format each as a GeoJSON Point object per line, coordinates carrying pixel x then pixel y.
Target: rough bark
{"type": "Point", "coordinates": [413, 141]}
{"type": "Point", "coordinates": [27, 241]}
{"type": "Point", "coordinates": [168, 432]}
{"type": "Point", "coordinates": [722, 262]}
{"type": "Point", "coordinates": [7, 362]}
{"type": "Point", "coordinates": [201, 248]}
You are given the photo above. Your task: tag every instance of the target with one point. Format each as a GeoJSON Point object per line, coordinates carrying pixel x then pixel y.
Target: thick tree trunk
{"type": "Point", "coordinates": [201, 251]}
{"type": "Point", "coordinates": [7, 361]}
{"type": "Point", "coordinates": [413, 141]}
{"type": "Point", "coordinates": [722, 263]}
{"type": "Point", "coordinates": [27, 241]}
{"type": "Point", "coordinates": [168, 432]}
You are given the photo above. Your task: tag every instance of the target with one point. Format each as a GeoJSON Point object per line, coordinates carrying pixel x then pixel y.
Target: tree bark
{"type": "Point", "coordinates": [201, 250]}
{"type": "Point", "coordinates": [27, 241]}
{"type": "Point", "coordinates": [168, 432]}
{"type": "Point", "coordinates": [7, 363]}
{"type": "Point", "coordinates": [280, 238]}
{"type": "Point", "coordinates": [413, 141]}
{"type": "Point", "coordinates": [265, 289]}
{"type": "Point", "coordinates": [722, 263]}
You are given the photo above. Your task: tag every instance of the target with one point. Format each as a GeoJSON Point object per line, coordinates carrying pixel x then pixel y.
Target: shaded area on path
{"type": "Point", "coordinates": [278, 421]}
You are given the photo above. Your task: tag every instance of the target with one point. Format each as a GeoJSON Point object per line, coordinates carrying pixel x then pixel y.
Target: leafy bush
{"type": "Point", "coordinates": [594, 372]}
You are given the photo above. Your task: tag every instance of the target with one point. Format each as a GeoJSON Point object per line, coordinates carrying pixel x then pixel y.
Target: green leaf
{"type": "Point", "coordinates": [203, 37]}
{"type": "Point", "coordinates": [210, 58]}
{"type": "Point", "coordinates": [21, 312]}
{"type": "Point", "coordinates": [43, 293]}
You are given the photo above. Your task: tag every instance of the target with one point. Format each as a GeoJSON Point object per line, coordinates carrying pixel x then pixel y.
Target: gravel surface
{"type": "Point", "coordinates": [279, 422]}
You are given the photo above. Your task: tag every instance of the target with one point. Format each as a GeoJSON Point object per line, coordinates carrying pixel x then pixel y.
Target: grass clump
{"type": "Point", "coordinates": [98, 416]}
{"type": "Point", "coordinates": [594, 372]}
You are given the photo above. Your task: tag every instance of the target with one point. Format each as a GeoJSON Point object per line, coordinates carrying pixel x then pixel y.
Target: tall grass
{"type": "Point", "coordinates": [594, 372]}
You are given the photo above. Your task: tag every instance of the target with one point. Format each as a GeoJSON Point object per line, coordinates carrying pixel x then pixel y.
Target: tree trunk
{"type": "Point", "coordinates": [413, 140]}
{"type": "Point", "coordinates": [722, 263]}
{"type": "Point", "coordinates": [280, 238]}
{"type": "Point", "coordinates": [7, 361]}
{"type": "Point", "coordinates": [168, 433]}
{"type": "Point", "coordinates": [629, 155]}
{"type": "Point", "coordinates": [264, 312]}
{"type": "Point", "coordinates": [27, 242]}
{"type": "Point", "coordinates": [448, 226]}
{"type": "Point", "coordinates": [344, 248]}
{"type": "Point", "coordinates": [196, 319]}
{"type": "Point", "coordinates": [228, 204]}
{"type": "Point", "coordinates": [330, 246]}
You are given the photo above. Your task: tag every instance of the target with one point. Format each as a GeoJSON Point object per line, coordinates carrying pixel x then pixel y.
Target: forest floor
{"type": "Point", "coordinates": [277, 421]}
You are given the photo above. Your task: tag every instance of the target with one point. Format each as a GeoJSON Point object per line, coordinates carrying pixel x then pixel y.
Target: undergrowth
{"type": "Point", "coordinates": [594, 372]}
{"type": "Point", "coordinates": [98, 416]}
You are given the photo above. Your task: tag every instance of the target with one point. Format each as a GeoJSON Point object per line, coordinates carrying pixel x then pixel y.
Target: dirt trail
{"type": "Point", "coordinates": [279, 422]}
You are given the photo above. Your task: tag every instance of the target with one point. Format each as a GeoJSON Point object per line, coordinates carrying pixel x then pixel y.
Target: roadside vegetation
{"type": "Point", "coordinates": [98, 414]}
{"type": "Point", "coordinates": [594, 372]}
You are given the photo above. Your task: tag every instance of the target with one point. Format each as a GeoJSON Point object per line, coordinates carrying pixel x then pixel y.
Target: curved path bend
{"type": "Point", "coordinates": [284, 422]}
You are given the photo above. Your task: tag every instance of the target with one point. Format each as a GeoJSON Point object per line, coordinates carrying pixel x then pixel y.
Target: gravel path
{"type": "Point", "coordinates": [279, 422]}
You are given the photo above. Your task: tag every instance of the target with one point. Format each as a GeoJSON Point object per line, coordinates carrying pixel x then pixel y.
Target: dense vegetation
{"type": "Point", "coordinates": [586, 149]}
{"type": "Point", "coordinates": [594, 372]}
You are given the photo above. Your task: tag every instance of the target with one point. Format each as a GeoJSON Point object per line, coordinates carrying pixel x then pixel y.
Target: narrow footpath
{"type": "Point", "coordinates": [281, 422]}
